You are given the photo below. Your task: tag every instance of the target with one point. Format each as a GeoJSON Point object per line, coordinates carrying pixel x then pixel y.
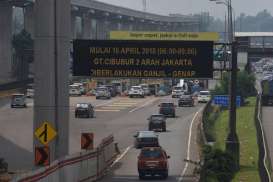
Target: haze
{"type": "Point", "coordinates": [249, 7]}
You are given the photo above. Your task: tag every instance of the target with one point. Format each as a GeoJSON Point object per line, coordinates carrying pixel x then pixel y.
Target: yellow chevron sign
{"type": "Point", "coordinates": [186, 36]}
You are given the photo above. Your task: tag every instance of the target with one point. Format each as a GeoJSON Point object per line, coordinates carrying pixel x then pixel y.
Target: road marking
{"type": "Point", "coordinates": [189, 146]}
{"type": "Point", "coordinates": [122, 155]}
{"type": "Point", "coordinates": [103, 104]}
{"type": "Point", "coordinates": [107, 110]}
{"type": "Point", "coordinates": [120, 105]}
{"type": "Point", "coordinates": [147, 103]}
{"type": "Point", "coordinates": [113, 107]}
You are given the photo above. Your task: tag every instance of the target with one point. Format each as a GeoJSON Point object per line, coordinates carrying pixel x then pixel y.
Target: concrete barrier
{"type": "Point", "coordinates": [80, 167]}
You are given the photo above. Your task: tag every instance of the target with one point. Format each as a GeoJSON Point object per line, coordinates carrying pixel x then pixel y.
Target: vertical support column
{"type": "Point", "coordinates": [5, 41]}
{"type": "Point", "coordinates": [100, 29]}
{"type": "Point", "coordinates": [29, 19]}
{"type": "Point", "coordinates": [86, 26]}
{"type": "Point", "coordinates": [73, 26]}
{"type": "Point", "coordinates": [93, 28]}
{"type": "Point", "coordinates": [52, 43]}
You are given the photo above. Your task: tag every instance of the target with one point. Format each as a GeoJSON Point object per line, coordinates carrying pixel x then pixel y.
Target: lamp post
{"type": "Point", "coordinates": [232, 142]}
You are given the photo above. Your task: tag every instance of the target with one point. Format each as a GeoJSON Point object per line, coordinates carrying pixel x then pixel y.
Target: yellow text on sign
{"type": "Point", "coordinates": [186, 36]}
{"type": "Point", "coordinates": [45, 133]}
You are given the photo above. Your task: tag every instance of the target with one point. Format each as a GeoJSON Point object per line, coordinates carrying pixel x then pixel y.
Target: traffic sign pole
{"type": "Point", "coordinates": [232, 142]}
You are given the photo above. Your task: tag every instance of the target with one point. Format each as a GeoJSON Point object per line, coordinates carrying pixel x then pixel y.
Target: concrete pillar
{"type": "Point", "coordinates": [86, 26]}
{"type": "Point", "coordinates": [100, 29]}
{"type": "Point", "coordinates": [5, 41]}
{"type": "Point", "coordinates": [93, 28]}
{"type": "Point", "coordinates": [29, 19]}
{"type": "Point", "coordinates": [113, 25]}
{"type": "Point", "coordinates": [73, 26]}
{"type": "Point", "coordinates": [51, 53]}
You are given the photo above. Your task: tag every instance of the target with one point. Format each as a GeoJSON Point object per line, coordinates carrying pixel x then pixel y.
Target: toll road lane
{"type": "Point", "coordinates": [109, 119]}
{"type": "Point", "coordinates": [174, 141]}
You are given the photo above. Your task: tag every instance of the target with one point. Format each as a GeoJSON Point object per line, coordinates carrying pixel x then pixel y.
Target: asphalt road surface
{"type": "Point", "coordinates": [120, 116]}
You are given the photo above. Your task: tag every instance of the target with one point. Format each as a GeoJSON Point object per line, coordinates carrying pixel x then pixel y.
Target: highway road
{"type": "Point", "coordinates": [120, 116]}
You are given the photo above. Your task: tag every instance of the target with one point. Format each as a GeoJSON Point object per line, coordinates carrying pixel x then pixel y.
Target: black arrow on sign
{"type": "Point", "coordinates": [43, 154]}
{"type": "Point", "coordinates": [88, 141]}
{"type": "Point", "coordinates": [44, 133]}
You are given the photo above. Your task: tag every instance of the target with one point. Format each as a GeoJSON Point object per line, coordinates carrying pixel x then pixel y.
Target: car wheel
{"type": "Point", "coordinates": [173, 115]}
{"type": "Point", "coordinates": [165, 175]}
{"type": "Point", "coordinates": [164, 129]}
{"type": "Point", "coordinates": [141, 176]}
{"type": "Point", "coordinates": [130, 96]}
{"type": "Point", "coordinates": [97, 97]}
{"type": "Point", "coordinates": [12, 106]}
{"type": "Point", "coordinates": [76, 115]}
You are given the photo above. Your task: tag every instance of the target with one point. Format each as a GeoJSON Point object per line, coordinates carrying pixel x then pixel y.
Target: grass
{"type": "Point", "coordinates": [248, 142]}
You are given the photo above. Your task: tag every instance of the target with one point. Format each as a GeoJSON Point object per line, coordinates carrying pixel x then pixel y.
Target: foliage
{"type": "Point", "coordinates": [218, 165]}
{"type": "Point", "coordinates": [245, 85]}
{"type": "Point", "coordinates": [210, 117]}
{"type": "Point", "coordinates": [22, 42]}
{"type": "Point", "coordinates": [23, 46]}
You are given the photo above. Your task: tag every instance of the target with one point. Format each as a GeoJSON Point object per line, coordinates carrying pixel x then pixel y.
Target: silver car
{"type": "Point", "coordinates": [18, 100]}
{"type": "Point", "coordinates": [103, 92]}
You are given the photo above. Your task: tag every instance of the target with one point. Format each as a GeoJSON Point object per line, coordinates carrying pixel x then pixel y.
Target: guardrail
{"type": "Point", "coordinates": [84, 166]}
{"type": "Point", "coordinates": [264, 170]}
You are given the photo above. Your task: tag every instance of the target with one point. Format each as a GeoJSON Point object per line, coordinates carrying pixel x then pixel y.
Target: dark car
{"type": "Point", "coordinates": [167, 109]}
{"type": "Point", "coordinates": [146, 139]}
{"type": "Point", "coordinates": [153, 161]}
{"type": "Point", "coordinates": [18, 100]}
{"type": "Point", "coordinates": [186, 100]}
{"type": "Point", "coordinates": [157, 122]}
{"type": "Point", "coordinates": [84, 110]}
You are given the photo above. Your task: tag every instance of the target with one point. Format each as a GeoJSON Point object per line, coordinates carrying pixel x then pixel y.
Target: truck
{"type": "Point", "coordinates": [267, 91]}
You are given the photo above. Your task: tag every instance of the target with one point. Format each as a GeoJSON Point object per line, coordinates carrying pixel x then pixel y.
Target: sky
{"type": "Point", "coordinates": [164, 7]}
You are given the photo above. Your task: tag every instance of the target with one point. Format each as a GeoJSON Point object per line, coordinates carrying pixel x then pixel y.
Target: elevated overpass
{"type": "Point", "coordinates": [253, 46]}
{"type": "Point", "coordinates": [94, 20]}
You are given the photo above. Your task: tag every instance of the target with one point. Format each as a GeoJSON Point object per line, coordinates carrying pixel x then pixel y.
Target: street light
{"type": "Point", "coordinates": [232, 142]}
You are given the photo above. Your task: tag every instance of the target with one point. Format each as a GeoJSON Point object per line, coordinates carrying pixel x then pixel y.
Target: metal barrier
{"type": "Point", "coordinates": [263, 154]}
{"type": "Point", "coordinates": [80, 167]}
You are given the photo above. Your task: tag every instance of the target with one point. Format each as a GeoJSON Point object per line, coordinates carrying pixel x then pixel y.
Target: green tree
{"type": "Point", "coordinates": [23, 46]}
{"type": "Point", "coordinates": [245, 85]}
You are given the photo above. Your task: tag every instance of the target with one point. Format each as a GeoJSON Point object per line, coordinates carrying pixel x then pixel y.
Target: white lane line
{"type": "Point", "coordinates": [189, 146]}
{"type": "Point", "coordinates": [107, 110]}
{"type": "Point", "coordinates": [122, 155]}
{"type": "Point", "coordinates": [145, 104]}
{"type": "Point", "coordinates": [105, 103]}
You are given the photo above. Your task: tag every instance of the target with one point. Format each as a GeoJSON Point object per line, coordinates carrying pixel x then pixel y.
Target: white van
{"type": "Point", "coordinates": [204, 96]}
{"type": "Point", "coordinates": [74, 90]}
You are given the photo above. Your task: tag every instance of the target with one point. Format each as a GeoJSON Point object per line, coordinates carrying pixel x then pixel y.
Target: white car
{"type": "Point", "coordinates": [136, 91]}
{"type": "Point", "coordinates": [103, 92]}
{"type": "Point", "coordinates": [74, 92]}
{"type": "Point", "coordinates": [146, 89]}
{"type": "Point", "coordinates": [177, 92]}
{"type": "Point", "coordinates": [204, 96]}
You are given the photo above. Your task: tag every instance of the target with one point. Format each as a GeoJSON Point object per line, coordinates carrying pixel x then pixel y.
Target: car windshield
{"type": "Point", "coordinates": [204, 93]}
{"type": "Point", "coordinates": [17, 97]}
{"type": "Point", "coordinates": [157, 117]}
{"type": "Point", "coordinates": [136, 88]}
{"type": "Point", "coordinates": [101, 89]}
{"type": "Point", "coordinates": [83, 105]}
{"type": "Point", "coordinates": [151, 153]}
{"type": "Point", "coordinates": [167, 105]}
